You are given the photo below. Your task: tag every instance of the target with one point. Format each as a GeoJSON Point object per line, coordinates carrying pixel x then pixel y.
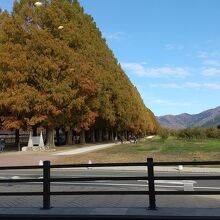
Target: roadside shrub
{"type": "Point", "coordinates": [212, 132]}
{"type": "Point", "coordinates": [191, 133]}
{"type": "Point", "coordinates": [198, 133]}
{"type": "Point", "coordinates": [163, 133]}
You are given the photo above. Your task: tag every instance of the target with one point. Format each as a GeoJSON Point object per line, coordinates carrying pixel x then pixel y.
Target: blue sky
{"type": "Point", "coordinates": [170, 49]}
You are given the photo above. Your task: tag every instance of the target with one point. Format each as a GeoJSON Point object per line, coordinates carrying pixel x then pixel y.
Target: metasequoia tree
{"type": "Point", "coordinates": [38, 81]}
{"type": "Point", "coordinates": [121, 106]}
{"type": "Point", "coordinates": [63, 77]}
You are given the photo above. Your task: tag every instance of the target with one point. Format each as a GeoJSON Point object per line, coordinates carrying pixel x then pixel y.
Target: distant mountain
{"type": "Point", "coordinates": [207, 118]}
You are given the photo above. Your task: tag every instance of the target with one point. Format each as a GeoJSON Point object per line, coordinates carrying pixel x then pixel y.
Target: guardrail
{"type": "Point", "coordinates": [151, 192]}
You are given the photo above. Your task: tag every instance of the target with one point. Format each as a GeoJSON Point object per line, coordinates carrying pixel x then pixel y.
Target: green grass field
{"type": "Point", "coordinates": [173, 145]}
{"type": "Point", "coordinates": [169, 150]}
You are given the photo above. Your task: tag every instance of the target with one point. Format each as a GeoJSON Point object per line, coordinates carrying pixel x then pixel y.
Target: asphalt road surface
{"type": "Point", "coordinates": [105, 200]}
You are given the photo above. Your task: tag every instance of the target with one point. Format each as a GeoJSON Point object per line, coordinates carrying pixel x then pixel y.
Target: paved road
{"type": "Point", "coordinates": [104, 201]}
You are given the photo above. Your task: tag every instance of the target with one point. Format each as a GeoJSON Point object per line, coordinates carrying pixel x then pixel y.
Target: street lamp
{"type": "Point", "coordinates": [38, 4]}
{"type": "Point", "coordinates": [60, 27]}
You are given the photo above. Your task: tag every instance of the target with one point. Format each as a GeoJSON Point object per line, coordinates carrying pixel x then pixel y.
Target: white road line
{"type": "Point", "coordinates": [177, 182]}
{"type": "Point", "coordinates": [103, 184]}
{"type": "Point", "coordinates": [116, 184]}
{"type": "Point", "coordinates": [206, 187]}
{"type": "Point", "coordinates": [130, 185]}
{"type": "Point", "coordinates": [11, 174]}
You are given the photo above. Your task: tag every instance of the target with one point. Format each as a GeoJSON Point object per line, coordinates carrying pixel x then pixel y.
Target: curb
{"type": "Point", "coordinates": [109, 213]}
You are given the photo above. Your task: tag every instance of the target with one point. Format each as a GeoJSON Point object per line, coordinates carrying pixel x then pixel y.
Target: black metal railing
{"type": "Point", "coordinates": [150, 177]}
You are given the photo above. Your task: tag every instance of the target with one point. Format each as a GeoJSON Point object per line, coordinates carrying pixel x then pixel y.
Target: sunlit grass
{"type": "Point", "coordinates": [169, 150]}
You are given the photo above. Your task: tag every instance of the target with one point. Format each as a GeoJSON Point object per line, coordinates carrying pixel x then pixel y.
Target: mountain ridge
{"type": "Point", "coordinates": [210, 117]}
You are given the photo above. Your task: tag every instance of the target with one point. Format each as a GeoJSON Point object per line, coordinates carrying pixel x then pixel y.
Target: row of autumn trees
{"type": "Point", "coordinates": [64, 78]}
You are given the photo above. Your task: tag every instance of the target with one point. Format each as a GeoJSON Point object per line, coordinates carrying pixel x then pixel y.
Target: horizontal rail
{"type": "Point", "coordinates": [97, 178]}
{"type": "Point", "coordinates": [98, 165]}
{"type": "Point", "coordinates": [100, 193]}
{"type": "Point", "coordinates": [136, 193]}
{"type": "Point", "coordinates": [187, 177]}
{"type": "Point", "coordinates": [21, 193]}
{"type": "Point", "coordinates": [187, 192]}
{"type": "Point", "coordinates": [111, 193]}
{"type": "Point", "coordinates": [20, 180]}
{"type": "Point", "coordinates": [187, 163]}
{"type": "Point", "coordinates": [112, 165]}
{"type": "Point", "coordinates": [20, 167]}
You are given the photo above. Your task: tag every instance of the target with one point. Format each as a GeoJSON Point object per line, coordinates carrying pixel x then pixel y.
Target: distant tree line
{"type": "Point", "coordinates": [190, 133]}
{"type": "Point", "coordinates": [57, 72]}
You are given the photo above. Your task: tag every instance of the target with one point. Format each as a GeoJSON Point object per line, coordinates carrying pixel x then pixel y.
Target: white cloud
{"type": "Point", "coordinates": [167, 86]}
{"type": "Point", "coordinates": [202, 54]}
{"type": "Point", "coordinates": [212, 85]}
{"type": "Point", "coordinates": [114, 36]}
{"type": "Point", "coordinates": [192, 85]}
{"type": "Point", "coordinates": [215, 54]}
{"type": "Point", "coordinates": [169, 46]}
{"type": "Point", "coordinates": [169, 102]}
{"type": "Point", "coordinates": [212, 71]}
{"type": "Point", "coordinates": [135, 68]}
{"type": "Point", "coordinates": [211, 62]}
{"type": "Point", "coordinates": [174, 47]}
{"type": "Point", "coordinates": [143, 63]}
{"type": "Point", "coordinates": [140, 70]}
{"type": "Point", "coordinates": [208, 55]}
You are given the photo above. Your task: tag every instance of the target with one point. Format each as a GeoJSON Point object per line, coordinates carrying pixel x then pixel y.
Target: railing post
{"type": "Point", "coordinates": [46, 185]}
{"type": "Point", "coordinates": [151, 186]}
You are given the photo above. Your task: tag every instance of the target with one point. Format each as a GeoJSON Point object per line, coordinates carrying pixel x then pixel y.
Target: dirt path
{"type": "Point", "coordinates": [24, 158]}
{"type": "Point", "coordinates": [85, 149]}
{"type": "Point", "coordinates": [34, 157]}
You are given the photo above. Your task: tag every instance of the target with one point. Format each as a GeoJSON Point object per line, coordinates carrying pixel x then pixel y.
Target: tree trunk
{"type": "Point", "coordinates": [100, 135]}
{"type": "Point", "coordinates": [58, 136]}
{"type": "Point", "coordinates": [34, 128]}
{"type": "Point", "coordinates": [125, 135]}
{"type": "Point", "coordinates": [50, 138]}
{"type": "Point", "coordinates": [69, 138]}
{"type": "Point", "coordinates": [116, 134]}
{"type": "Point", "coordinates": [17, 139]}
{"type": "Point", "coordinates": [46, 138]}
{"type": "Point", "coordinates": [93, 135]}
{"type": "Point", "coordinates": [66, 135]}
{"type": "Point", "coordinates": [106, 134]}
{"type": "Point", "coordinates": [112, 135]}
{"type": "Point", "coordinates": [82, 137]}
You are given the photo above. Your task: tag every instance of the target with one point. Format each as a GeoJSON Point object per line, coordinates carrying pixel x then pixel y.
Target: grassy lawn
{"type": "Point", "coordinates": [170, 150]}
